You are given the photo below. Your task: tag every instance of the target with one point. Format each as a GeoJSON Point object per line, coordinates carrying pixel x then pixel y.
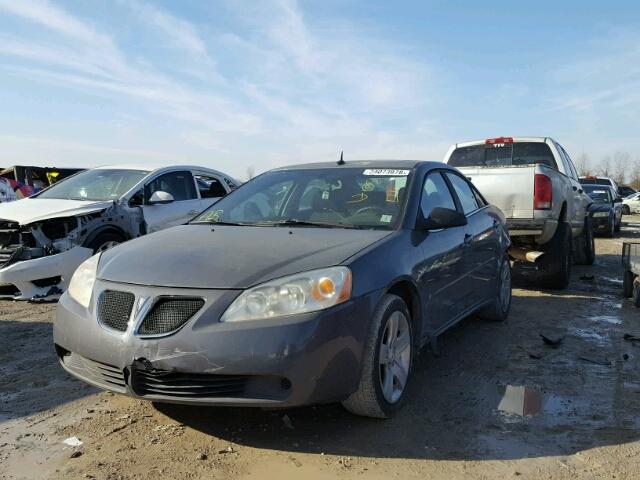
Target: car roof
{"type": "Point", "coordinates": [387, 164]}
{"type": "Point", "coordinates": [156, 168]}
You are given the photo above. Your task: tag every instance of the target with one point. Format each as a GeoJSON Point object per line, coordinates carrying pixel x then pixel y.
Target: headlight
{"type": "Point", "coordinates": [81, 284]}
{"type": "Point", "coordinates": [601, 214]}
{"type": "Point", "coordinates": [300, 293]}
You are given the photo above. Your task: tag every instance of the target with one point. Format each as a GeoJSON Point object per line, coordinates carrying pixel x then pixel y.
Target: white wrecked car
{"type": "Point", "coordinates": [45, 237]}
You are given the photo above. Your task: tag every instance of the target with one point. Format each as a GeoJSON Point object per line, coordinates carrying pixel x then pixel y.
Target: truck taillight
{"type": "Point", "coordinates": [542, 192]}
{"type": "Point", "coordinates": [499, 140]}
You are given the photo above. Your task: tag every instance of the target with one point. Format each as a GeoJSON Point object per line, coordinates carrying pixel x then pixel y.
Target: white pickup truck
{"type": "Point", "coordinates": [534, 182]}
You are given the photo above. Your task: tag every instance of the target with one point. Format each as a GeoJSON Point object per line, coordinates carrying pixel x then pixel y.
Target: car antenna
{"type": "Point", "coordinates": [341, 161]}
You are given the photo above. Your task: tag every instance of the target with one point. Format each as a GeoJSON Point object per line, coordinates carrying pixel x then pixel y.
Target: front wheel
{"type": "Point", "coordinates": [105, 241]}
{"type": "Point", "coordinates": [386, 361]}
{"type": "Point", "coordinates": [585, 252]}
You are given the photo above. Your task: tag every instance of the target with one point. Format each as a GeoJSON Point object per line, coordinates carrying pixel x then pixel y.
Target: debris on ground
{"type": "Point", "coordinates": [202, 456]}
{"type": "Point", "coordinates": [631, 338]}
{"type": "Point", "coordinates": [76, 454]}
{"type": "Point", "coordinates": [596, 361]}
{"type": "Point", "coordinates": [287, 422]}
{"type": "Point", "coordinates": [552, 341]}
{"type": "Point", "coordinates": [72, 441]}
{"type": "Point", "coordinates": [229, 449]}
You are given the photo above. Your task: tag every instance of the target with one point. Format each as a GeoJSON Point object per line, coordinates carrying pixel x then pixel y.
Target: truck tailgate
{"type": "Point", "coordinates": [508, 188]}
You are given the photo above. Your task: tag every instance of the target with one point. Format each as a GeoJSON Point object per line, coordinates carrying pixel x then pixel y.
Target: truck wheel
{"type": "Point", "coordinates": [556, 264]}
{"type": "Point", "coordinates": [585, 253]}
{"type": "Point", "coordinates": [105, 241]}
{"type": "Point", "coordinates": [498, 309]}
{"type": "Point", "coordinates": [627, 283]}
{"type": "Point", "coordinates": [636, 292]}
{"type": "Point", "coordinates": [386, 361]}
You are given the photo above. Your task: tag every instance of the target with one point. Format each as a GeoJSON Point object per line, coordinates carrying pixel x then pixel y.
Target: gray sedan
{"type": "Point", "coordinates": [309, 284]}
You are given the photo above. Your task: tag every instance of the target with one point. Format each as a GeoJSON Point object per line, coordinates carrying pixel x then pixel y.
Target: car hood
{"type": "Point", "coordinates": [229, 257]}
{"type": "Point", "coordinates": [29, 210]}
{"type": "Point", "coordinates": [594, 207]}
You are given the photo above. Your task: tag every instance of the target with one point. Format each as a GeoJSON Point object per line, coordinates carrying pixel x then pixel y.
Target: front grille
{"type": "Point", "coordinates": [169, 314]}
{"type": "Point", "coordinates": [186, 385]}
{"type": "Point", "coordinates": [114, 309]}
{"type": "Point", "coordinates": [101, 373]}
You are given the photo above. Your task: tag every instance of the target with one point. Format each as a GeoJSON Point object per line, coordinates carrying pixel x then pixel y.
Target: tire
{"type": "Point", "coordinates": [556, 264]}
{"type": "Point", "coordinates": [636, 292]}
{"type": "Point", "coordinates": [618, 225]}
{"type": "Point", "coordinates": [612, 230]}
{"type": "Point", "coordinates": [498, 309]}
{"type": "Point", "coordinates": [585, 253]}
{"type": "Point", "coordinates": [626, 210]}
{"type": "Point", "coordinates": [370, 399]}
{"type": "Point", "coordinates": [105, 241]}
{"type": "Point", "coordinates": [627, 283]}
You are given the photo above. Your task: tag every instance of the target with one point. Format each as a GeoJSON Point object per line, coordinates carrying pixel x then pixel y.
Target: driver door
{"type": "Point", "coordinates": [186, 202]}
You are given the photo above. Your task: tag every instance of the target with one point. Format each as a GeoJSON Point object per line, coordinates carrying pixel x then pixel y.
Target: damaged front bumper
{"type": "Point", "coordinates": [279, 362]}
{"type": "Point", "coordinates": [43, 278]}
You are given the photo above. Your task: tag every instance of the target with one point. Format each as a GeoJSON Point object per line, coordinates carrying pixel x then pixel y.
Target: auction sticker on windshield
{"type": "Point", "coordinates": [386, 172]}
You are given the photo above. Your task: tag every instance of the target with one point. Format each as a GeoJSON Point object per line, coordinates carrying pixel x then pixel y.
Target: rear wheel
{"type": "Point", "coordinates": [498, 309]}
{"type": "Point", "coordinates": [556, 264]}
{"type": "Point", "coordinates": [386, 361]}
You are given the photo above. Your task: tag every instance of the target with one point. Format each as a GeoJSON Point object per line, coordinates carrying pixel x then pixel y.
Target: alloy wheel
{"type": "Point", "coordinates": [394, 357]}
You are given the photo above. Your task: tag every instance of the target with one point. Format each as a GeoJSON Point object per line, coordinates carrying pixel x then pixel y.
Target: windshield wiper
{"type": "Point", "coordinates": [306, 223]}
{"type": "Point", "coordinates": [220, 222]}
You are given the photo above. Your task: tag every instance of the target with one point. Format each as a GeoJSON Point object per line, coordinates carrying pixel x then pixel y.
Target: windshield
{"type": "Point", "coordinates": [333, 197]}
{"type": "Point", "coordinates": [96, 184]}
{"type": "Point", "coordinates": [599, 195]}
{"type": "Point", "coordinates": [503, 155]}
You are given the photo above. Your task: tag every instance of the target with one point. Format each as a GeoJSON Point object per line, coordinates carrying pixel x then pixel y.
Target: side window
{"type": "Point", "coordinates": [210, 187]}
{"type": "Point", "coordinates": [572, 167]}
{"type": "Point", "coordinates": [230, 183]}
{"type": "Point", "coordinates": [179, 184]}
{"type": "Point", "coordinates": [479, 200]}
{"type": "Point", "coordinates": [435, 193]}
{"type": "Point", "coordinates": [464, 193]}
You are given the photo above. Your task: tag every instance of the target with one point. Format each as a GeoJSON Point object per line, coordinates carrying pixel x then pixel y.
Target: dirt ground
{"type": "Point", "coordinates": [497, 403]}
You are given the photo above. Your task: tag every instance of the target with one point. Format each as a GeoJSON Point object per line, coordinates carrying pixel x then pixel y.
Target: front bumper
{"type": "Point", "coordinates": [17, 279]}
{"type": "Point", "coordinates": [283, 362]}
{"type": "Point", "coordinates": [601, 224]}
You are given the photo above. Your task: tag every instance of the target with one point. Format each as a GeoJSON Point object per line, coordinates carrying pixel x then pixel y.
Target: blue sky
{"type": "Point", "coordinates": [233, 84]}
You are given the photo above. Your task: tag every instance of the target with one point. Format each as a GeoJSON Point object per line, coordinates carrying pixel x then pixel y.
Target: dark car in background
{"type": "Point", "coordinates": [625, 190]}
{"type": "Point", "coordinates": [308, 284]}
{"type": "Point", "coordinates": [606, 209]}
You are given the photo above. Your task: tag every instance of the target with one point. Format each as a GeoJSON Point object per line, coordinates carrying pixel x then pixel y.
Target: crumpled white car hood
{"type": "Point", "coordinates": [31, 210]}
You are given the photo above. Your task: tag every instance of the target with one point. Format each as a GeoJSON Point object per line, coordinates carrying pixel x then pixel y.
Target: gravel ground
{"type": "Point", "coordinates": [497, 403]}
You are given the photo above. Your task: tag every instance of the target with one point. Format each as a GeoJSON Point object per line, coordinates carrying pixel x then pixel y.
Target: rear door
{"type": "Point", "coordinates": [481, 240]}
{"type": "Point", "coordinates": [185, 206]}
{"type": "Point", "coordinates": [443, 260]}
{"type": "Point", "coordinates": [576, 201]}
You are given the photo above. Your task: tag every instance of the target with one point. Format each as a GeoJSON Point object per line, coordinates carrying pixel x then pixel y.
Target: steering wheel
{"type": "Point", "coordinates": [365, 209]}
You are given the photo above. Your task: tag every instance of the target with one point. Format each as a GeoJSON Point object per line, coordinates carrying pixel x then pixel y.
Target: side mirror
{"type": "Point", "coordinates": [442, 218]}
{"type": "Point", "coordinates": [160, 197]}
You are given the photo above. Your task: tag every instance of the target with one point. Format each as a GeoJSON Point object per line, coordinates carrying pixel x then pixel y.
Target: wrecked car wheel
{"type": "Point", "coordinates": [386, 362]}
{"type": "Point", "coordinates": [498, 310]}
{"type": "Point", "coordinates": [105, 241]}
